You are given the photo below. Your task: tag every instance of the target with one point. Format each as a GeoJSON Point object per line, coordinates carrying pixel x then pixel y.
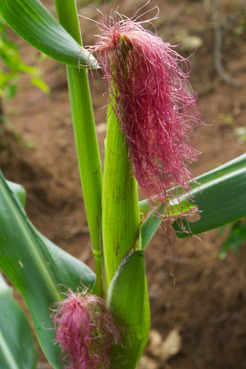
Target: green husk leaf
{"type": "Point", "coordinates": [128, 297]}
{"type": "Point", "coordinates": [120, 210]}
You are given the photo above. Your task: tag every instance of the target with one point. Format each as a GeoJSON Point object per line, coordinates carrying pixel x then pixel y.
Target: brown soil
{"type": "Point", "coordinates": [207, 302]}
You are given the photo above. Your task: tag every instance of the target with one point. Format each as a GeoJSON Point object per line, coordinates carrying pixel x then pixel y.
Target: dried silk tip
{"type": "Point", "coordinates": [85, 331]}
{"type": "Point", "coordinates": [155, 104]}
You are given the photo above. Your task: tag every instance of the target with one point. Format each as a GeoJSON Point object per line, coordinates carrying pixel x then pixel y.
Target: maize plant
{"type": "Point", "coordinates": [101, 319]}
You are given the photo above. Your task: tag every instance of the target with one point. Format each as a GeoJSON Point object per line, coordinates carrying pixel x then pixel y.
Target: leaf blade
{"type": "Point", "coordinates": [32, 21]}
{"type": "Point", "coordinates": [17, 347]}
{"type": "Point", "coordinates": [220, 202]}
{"type": "Point", "coordinates": [19, 192]}
{"type": "Point", "coordinates": [209, 192]}
{"type": "Point", "coordinates": [39, 269]}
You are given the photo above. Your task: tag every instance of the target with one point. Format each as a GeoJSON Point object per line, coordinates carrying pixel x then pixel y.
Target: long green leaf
{"type": "Point", "coordinates": [220, 201]}
{"type": "Point", "coordinates": [230, 166]}
{"type": "Point", "coordinates": [40, 270]}
{"type": "Point", "coordinates": [222, 170]}
{"type": "Point", "coordinates": [17, 346]}
{"type": "Point", "coordinates": [218, 194]}
{"type": "Point", "coordinates": [31, 20]}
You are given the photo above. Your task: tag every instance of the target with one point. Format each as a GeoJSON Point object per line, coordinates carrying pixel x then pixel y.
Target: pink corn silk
{"type": "Point", "coordinates": [156, 106]}
{"type": "Point", "coordinates": [85, 331]}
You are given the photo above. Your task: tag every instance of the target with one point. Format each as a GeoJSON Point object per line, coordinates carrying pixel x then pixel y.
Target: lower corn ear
{"type": "Point", "coordinates": [128, 297]}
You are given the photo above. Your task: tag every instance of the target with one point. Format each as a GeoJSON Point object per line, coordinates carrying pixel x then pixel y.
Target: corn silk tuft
{"type": "Point", "coordinates": [155, 103]}
{"type": "Point", "coordinates": [85, 331]}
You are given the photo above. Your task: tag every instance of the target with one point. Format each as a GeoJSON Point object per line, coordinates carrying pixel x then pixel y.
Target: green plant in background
{"type": "Point", "coordinates": [102, 319]}
{"type": "Point", "coordinates": [240, 132]}
{"type": "Point", "coordinates": [241, 28]}
{"type": "Point", "coordinates": [12, 67]}
{"type": "Point", "coordinates": [234, 240]}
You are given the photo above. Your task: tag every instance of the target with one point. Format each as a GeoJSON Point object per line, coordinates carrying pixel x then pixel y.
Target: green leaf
{"type": "Point", "coordinates": [38, 82]}
{"type": "Point", "coordinates": [222, 170]}
{"type": "Point", "coordinates": [18, 191]}
{"type": "Point", "coordinates": [31, 20]}
{"type": "Point", "coordinates": [40, 270]}
{"type": "Point", "coordinates": [235, 239]}
{"type": "Point", "coordinates": [220, 198]}
{"type": "Point", "coordinates": [17, 347]}
{"type": "Point", "coordinates": [11, 90]}
{"type": "Point", "coordinates": [218, 194]}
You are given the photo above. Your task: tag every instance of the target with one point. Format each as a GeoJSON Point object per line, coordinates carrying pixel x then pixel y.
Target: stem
{"type": "Point", "coordinates": [67, 15]}
{"type": "Point", "coordinates": [120, 209]}
{"type": "Point", "coordinates": [85, 138]}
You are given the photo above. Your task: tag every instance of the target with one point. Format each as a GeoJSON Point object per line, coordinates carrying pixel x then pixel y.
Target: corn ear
{"type": "Point", "coordinates": [120, 209]}
{"type": "Point", "coordinates": [128, 297]}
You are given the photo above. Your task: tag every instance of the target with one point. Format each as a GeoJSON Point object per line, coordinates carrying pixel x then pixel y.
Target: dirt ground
{"type": "Point", "coordinates": [206, 306]}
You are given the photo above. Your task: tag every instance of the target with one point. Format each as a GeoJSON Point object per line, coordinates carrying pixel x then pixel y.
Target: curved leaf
{"type": "Point", "coordinates": [220, 201]}
{"type": "Point", "coordinates": [229, 167]}
{"type": "Point", "coordinates": [17, 346]}
{"type": "Point", "coordinates": [19, 191]}
{"type": "Point", "coordinates": [218, 194]}
{"type": "Point", "coordinates": [39, 269]}
{"type": "Point", "coordinates": [31, 20]}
